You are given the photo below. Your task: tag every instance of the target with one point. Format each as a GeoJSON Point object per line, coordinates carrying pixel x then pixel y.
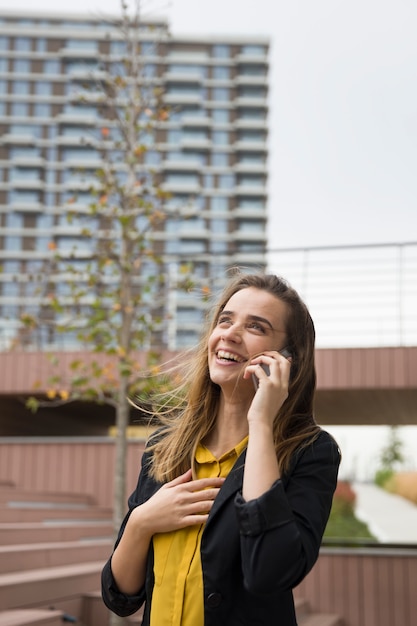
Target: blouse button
{"type": "Point", "coordinates": [214, 600]}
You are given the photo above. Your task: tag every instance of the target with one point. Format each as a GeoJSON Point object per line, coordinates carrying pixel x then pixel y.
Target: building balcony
{"type": "Point", "coordinates": [22, 183]}
{"type": "Point", "coordinates": [247, 146]}
{"type": "Point", "coordinates": [251, 124]}
{"type": "Point", "coordinates": [179, 187]}
{"type": "Point", "coordinates": [182, 77]}
{"type": "Point", "coordinates": [256, 81]}
{"type": "Point", "coordinates": [20, 140]}
{"type": "Point", "coordinates": [195, 121]}
{"type": "Point", "coordinates": [77, 53]}
{"type": "Point", "coordinates": [28, 161]}
{"type": "Point", "coordinates": [245, 101]}
{"type": "Point", "coordinates": [250, 190]}
{"type": "Point", "coordinates": [179, 98]}
{"type": "Point", "coordinates": [197, 144]}
{"type": "Point", "coordinates": [250, 236]}
{"type": "Point", "coordinates": [250, 168]}
{"type": "Point", "coordinates": [185, 165]}
{"type": "Point", "coordinates": [257, 59]}
{"type": "Point", "coordinates": [86, 119]}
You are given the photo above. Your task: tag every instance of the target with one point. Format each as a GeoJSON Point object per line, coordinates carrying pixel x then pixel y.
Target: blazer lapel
{"type": "Point", "coordinates": [231, 485]}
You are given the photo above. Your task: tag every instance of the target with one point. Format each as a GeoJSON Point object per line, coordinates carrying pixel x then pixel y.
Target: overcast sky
{"type": "Point", "coordinates": [343, 109]}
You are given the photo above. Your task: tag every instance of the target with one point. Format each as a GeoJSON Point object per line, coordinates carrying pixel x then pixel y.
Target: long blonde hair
{"type": "Point", "coordinates": [189, 414]}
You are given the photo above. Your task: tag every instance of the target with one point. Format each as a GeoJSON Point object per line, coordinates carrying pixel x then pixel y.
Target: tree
{"type": "Point", "coordinates": [107, 292]}
{"type": "Point", "coordinates": [390, 458]}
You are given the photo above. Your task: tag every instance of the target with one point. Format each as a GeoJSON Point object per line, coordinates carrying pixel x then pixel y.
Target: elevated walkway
{"type": "Point", "coordinates": [390, 518]}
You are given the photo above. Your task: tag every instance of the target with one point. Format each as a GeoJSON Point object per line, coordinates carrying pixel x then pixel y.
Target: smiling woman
{"type": "Point", "coordinates": [236, 487]}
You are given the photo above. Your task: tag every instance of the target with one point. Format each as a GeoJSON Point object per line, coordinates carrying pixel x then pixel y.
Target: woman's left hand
{"type": "Point", "coordinates": [272, 388]}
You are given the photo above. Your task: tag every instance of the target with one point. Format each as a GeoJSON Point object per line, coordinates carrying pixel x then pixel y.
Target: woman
{"type": "Point", "coordinates": [235, 490]}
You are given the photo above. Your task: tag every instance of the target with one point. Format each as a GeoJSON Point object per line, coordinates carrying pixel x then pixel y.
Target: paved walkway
{"type": "Point", "coordinates": [390, 518]}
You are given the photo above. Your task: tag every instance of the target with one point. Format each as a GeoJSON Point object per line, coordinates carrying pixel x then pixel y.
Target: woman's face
{"type": "Point", "coordinates": [252, 322]}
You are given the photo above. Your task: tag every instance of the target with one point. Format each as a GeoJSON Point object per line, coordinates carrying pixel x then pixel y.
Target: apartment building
{"type": "Point", "coordinates": [211, 152]}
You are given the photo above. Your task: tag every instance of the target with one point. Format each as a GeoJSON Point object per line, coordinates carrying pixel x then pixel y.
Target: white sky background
{"type": "Point", "coordinates": [343, 128]}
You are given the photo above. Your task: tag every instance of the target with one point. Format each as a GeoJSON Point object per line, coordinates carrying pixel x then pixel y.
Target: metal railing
{"type": "Point", "coordinates": [358, 295]}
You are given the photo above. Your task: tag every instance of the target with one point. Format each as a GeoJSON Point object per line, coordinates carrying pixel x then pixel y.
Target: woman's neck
{"type": "Point", "coordinates": [230, 427]}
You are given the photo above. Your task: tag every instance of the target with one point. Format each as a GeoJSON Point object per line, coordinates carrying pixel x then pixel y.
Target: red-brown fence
{"type": "Point", "coordinates": [67, 465]}
{"type": "Point", "coordinates": [367, 587]}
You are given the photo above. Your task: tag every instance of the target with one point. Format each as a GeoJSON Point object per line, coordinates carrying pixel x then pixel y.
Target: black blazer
{"type": "Point", "coordinates": [252, 553]}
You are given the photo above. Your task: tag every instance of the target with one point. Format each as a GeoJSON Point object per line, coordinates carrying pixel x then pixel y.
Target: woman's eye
{"type": "Point", "coordinates": [256, 326]}
{"type": "Point", "coordinates": [223, 321]}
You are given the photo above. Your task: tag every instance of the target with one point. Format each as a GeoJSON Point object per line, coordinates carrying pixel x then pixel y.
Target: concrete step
{"type": "Point", "coordinates": [48, 587]}
{"type": "Point", "coordinates": [24, 512]}
{"type": "Point", "coordinates": [22, 557]}
{"type": "Point", "coordinates": [23, 533]}
{"type": "Point", "coordinates": [13, 494]}
{"type": "Point", "coordinates": [31, 617]}
{"type": "Point", "coordinates": [95, 613]}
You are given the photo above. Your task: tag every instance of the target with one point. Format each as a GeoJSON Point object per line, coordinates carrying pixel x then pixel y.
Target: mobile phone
{"type": "Point", "coordinates": [255, 379]}
{"type": "Point", "coordinates": [285, 352]}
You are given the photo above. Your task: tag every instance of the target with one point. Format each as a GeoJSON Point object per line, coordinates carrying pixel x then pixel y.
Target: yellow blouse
{"type": "Point", "coordinates": [177, 598]}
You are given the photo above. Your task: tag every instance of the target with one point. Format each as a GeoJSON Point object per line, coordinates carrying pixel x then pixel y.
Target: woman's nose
{"type": "Point", "coordinates": [232, 333]}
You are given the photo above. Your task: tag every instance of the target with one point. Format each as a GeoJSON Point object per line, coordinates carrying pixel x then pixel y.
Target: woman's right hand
{"type": "Point", "coordinates": [177, 504]}
{"type": "Point", "coordinates": [181, 502]}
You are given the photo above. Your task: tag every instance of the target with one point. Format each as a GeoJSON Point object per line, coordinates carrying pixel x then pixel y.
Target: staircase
{"type": "Point", "coordinates": [52, 550]}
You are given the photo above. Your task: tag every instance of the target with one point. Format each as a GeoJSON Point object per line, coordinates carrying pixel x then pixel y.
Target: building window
{"type": "Point", "coordinates": [14, 220]}
{"type": "Point", "coordinates": [20, 109]}
{"type": "Point", "coordinates": [251, 92]}
{"type": "Point", "coordinates": [250, 226]}
{"type": "Point", "coordinates": [41, 44]}
{"type": "Point", "coordinates": [252, 70]}
{"type": "Point", "coordinates": [24, 196]}
{"type": "Point", "coordinates": [220, 227]}
{"type": "Point", "coordinates": [251, 113]}
{"type": "Point", "coordinates": [21, 66]}
{"type": "Point", "coordinates": [41, 109]}
{"type": "Point", "coordinates": [51, 66]}
{"type": "Point", "coordinates": [12, 243]}
{"type": "Point", "coordinates": [253, 50]}
{"type": "Point", "coordinates": [226, 181]}
{"type": "Point", "coordinates": [20, 87]}
{"type": "Point", "coordinates": [220, 93]}
{"type": "Point", "coordinates": [247, 203]}
{"type": "Point", "coordinates": [23, 44]}
{"type": "Point", "coordinates": [219, 203]}
{"type": "Point", "coordinates": [208, 181]}
{"type": "Point", "coordinates": [220, 159]}
{"type": "Point", "coordinates": [251, 158]}
{"type": "Point", "coordinates": [43, 88]}
{"type": "Point", "coordinates": [24, 173]}
{"type": "Point", "coordinates": [251, 180]}
{"type": "Point", "coordinates": [221, 116]}
{"type": "Point", "coordinates": [82, 44]}
{"type": "Point", "coordinates": [218, 247]}
{"type": "Point", "coordinates": [221, 51]}
{"type": "Point", "coordinates": [221, 72]}
{"type": "Point", "coordinates": [251, 135]}
{"type": "Point", "coordinates": [220, 137]}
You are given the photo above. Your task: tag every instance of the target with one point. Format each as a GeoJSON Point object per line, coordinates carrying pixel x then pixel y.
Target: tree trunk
{"type": "Point", "coordinates": [122, 422]}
